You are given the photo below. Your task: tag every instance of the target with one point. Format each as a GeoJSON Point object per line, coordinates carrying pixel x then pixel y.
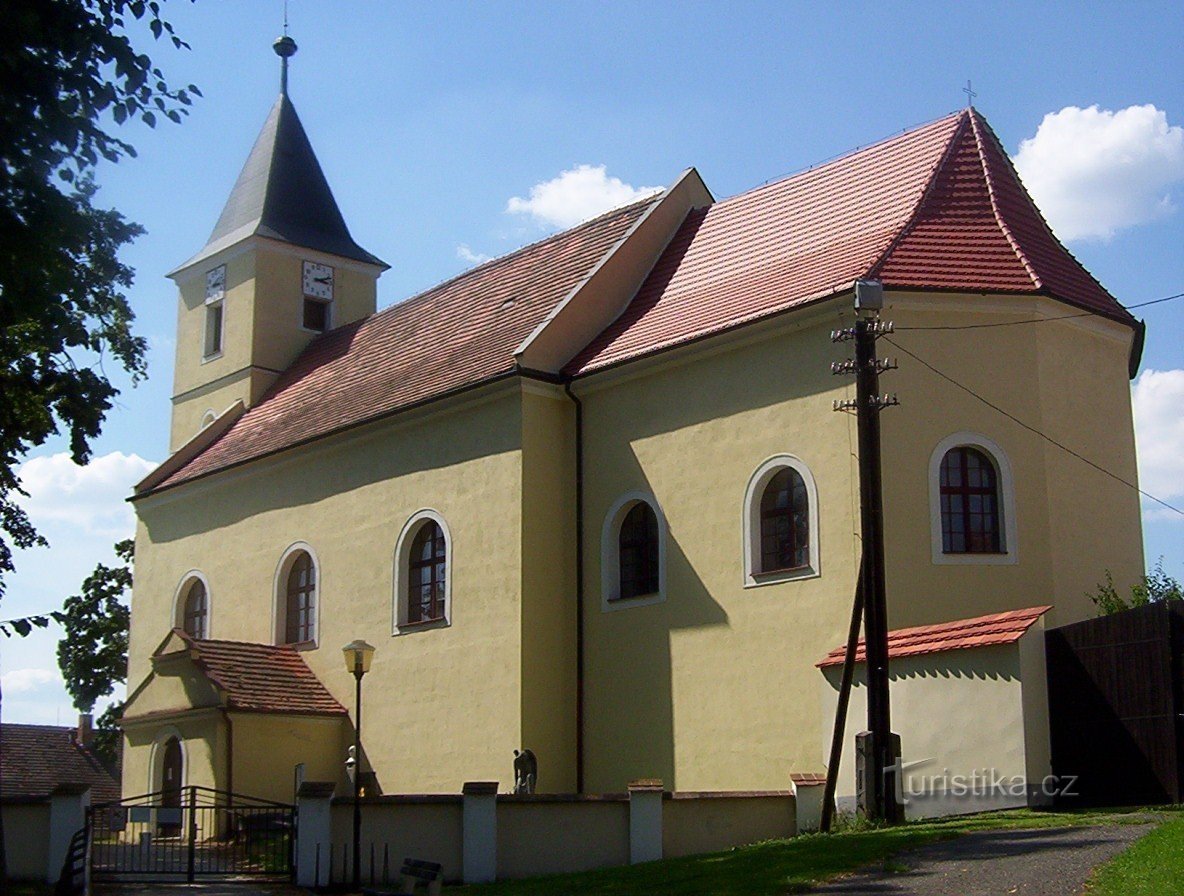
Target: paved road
{"type": "Point", "coordinates": [997, 863]}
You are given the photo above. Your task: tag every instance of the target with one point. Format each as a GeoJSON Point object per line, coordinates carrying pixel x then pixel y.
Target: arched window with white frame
{"type": "Point", "coordinates": [191, 605]}
{"type": "Point", "coordinates": [780, 522]}
{"type": "Point", "coordinates": [297, 600]}
{"type": "Point", "coordinates": [633, 553]}
{"type": "Point", "coordinates": [971, 502]}
{"type": "Point", "coordinates": [423, 574]}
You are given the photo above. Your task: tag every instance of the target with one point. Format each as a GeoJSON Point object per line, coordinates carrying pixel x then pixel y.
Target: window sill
{"type": "Point", "coordinates": [408, 628]}
{"type": "Point", "coordinates": [206, 359]}
{"type": "Point", "coordinates": [1001, 558]}
{"type": "Point", "coordinates": [300, 645]}
{"type": "Point", "coordinates": [777, 576]}
{"type": "Point", "coordinates": [626, 603]}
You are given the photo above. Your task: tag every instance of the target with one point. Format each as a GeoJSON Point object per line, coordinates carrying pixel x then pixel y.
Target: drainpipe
{"type": "Point", "coordinates": [579, 586]}
{"type": "Point", "coordinates": [229, 750]}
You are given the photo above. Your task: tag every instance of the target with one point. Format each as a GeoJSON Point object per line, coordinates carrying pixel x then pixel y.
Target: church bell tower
{"type": "Point", "coordinates": [279, 268]}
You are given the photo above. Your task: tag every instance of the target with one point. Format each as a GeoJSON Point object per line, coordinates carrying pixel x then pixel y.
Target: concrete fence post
{"type": "Point", "coordinates": [67, 815]}
{"type": "Point", "coordinates": [808, 790]}
{"type": "Point", "coordinates": [314, 833]}
{"type": "Point", "coordinates": [479, 832]}
{"type": "Point", "coordinates": [645, 821]}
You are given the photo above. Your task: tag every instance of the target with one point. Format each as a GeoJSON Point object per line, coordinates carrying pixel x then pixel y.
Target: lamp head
{"type": "Point", "coordinates": [358, 655]}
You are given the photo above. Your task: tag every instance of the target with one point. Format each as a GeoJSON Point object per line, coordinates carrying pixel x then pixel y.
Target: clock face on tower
{"type": "Point", "coordinates": [216, 283]}
{"type": "Point", "coordinates": [318, 281]}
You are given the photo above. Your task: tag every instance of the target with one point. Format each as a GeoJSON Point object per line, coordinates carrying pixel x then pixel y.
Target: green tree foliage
{"type": "Point", "coordinates": [93, 651]}
{"type": "Point", "coordinates": [1151, 588]}
{"type": "Point", "coordinates": [68, 74]}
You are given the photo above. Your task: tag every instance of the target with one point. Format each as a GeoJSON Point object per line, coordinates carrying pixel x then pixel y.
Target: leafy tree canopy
{"type": "Point", "coordinates": [68, 75]}
{"type": "Point", "coordinates": [1151, 588]}
{"type": "Point", "coordinates": [92, 653]}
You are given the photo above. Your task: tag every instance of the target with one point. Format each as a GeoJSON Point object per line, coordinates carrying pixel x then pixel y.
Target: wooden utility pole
{"type": "Point", "coordinates": [881, 800]}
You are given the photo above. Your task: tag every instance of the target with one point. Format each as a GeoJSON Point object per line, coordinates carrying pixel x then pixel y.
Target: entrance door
{"type": "Point", "coordinates": [170, 790]}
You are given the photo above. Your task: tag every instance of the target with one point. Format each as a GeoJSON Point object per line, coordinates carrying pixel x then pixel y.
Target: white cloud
{"type": "Point", "coordinates": [89, 498]}
{"type": "Point", "coordinates": [464, 253]}
{"type": "Point", "coordinates": [576, 195]}
{"type": "Point", "coordinates": [1158, 397]}
{"type": "Point", "coordinates": [1094, 172]}
{"type": "Point", "coordinates": [21, 681]}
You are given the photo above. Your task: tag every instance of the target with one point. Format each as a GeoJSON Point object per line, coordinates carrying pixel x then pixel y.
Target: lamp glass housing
{"type": "Point", "coordinates": [358, 655]}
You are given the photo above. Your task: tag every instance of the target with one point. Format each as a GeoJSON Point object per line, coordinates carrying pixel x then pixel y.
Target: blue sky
{"type": "Point", "coordinates": [429, 118]}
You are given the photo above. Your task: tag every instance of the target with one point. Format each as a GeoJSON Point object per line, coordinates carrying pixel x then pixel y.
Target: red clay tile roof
{"type": "Point", "coordinates": [939, 207]}
{"type": "Point", "coordinates": [981, 631]}
{"type": "Point", "coordinates": [36, 759]}
{"type": "Point", "coordinates": [460, 333]}
{"type": "Point", "coordinates": [262, 677]}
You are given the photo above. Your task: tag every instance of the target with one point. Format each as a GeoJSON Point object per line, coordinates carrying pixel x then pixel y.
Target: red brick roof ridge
{"type": "Point", "coordinates": [989, 144]}
{"type": "Point", "coordinates": [915, 217]}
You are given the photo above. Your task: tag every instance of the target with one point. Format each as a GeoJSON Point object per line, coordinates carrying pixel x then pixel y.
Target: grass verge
{"type": "Point", "coordinates": [1152, 866]}
{"type": "Point", "coordinates": [777, 867]}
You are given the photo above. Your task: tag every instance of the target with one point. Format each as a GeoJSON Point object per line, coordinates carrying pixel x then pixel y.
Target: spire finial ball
{"type": "Point", "coordinates": [284, 47]}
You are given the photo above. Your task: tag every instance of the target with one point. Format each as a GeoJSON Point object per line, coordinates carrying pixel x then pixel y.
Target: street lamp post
{"type": "Point", "coordinates": [357, 660]}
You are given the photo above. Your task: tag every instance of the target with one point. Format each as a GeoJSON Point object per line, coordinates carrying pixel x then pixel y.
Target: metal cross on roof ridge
{"type": "Point", "coordinates": [970, 94]}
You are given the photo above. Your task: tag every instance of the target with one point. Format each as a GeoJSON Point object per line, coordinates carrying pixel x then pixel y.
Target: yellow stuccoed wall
{"type": "Point", "coordinates": [715, 688]}
{"type": "Point", "coordinates": [442, 705]}
{"type": "Point", "coordinates": [262, 326]}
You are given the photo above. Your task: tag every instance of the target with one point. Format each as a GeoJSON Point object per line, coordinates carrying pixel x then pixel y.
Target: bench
{"type": "Point", "coordinates": [414, 874]}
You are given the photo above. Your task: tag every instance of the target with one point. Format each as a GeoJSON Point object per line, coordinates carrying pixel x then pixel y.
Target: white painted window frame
{"type": "Point", "coordinates": [610, 554]}
{"type": "Point", "coordinates": [400, 601]}
{"type": "Point", "coordinates": [751, 523]}
{"type": "Point", "coordinates": [179, 600]}
{"type": "Point", "coordinates": [279, 601]}
{"type": "Point", "coordinates": [209, 304]}
{"type": "Point", "coordinates": [1006, 482]}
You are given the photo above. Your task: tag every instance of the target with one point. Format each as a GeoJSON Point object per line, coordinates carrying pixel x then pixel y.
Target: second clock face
{"type": "Point", "coordinates": [318, 280]}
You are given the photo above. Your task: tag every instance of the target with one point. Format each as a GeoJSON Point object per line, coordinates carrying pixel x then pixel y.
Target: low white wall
{"type": "Point", "coordinates": [712, 822]}
{"type": "Point", "coordinates": [972, 725]}
{"type": "Point", "coordinates": [26, 840]}
{"type": "Point", "coordinates": [532, 835]}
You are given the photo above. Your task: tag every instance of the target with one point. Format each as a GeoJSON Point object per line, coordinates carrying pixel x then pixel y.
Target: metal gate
{"type": "Point", "coordinates": [189, 833]}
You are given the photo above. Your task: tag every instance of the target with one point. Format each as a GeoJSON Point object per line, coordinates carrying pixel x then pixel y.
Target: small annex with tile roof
{"type": "Point", "coordinates": [590, 498]}
{"type": "Point", "coordinates": [35, 760]}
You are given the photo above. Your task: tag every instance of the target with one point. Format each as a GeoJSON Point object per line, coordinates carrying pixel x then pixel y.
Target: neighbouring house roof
{"type": "Point", "coordinates": [460, 333]}
{"type": "Point", "coordinates": [282, 194]}
{"type": "Point", "coordinates": [37, 759]}
{"type": "Point", "coordinates": [981, 631]}
{"type": "Point", "coordinates": [259, 677]}
{"type": "Point", "coordinates": [935, 208]}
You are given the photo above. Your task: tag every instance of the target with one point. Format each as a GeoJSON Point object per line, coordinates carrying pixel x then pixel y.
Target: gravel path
{"type": "Point", "coordinates": [1054, 862]}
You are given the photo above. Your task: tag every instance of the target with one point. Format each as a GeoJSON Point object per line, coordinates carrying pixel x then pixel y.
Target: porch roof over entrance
{"type": "Point", "coordinates": [264, 678]}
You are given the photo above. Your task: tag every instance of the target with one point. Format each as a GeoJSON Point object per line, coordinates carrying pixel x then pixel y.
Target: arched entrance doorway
{"type": "Point", "coordinates": [171, 770]}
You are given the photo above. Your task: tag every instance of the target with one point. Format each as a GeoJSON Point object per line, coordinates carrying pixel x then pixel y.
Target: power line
{"type": "Point", "coordinates": [1044, 320]}
{"type": "Point", "coordinates": [1032, 429]}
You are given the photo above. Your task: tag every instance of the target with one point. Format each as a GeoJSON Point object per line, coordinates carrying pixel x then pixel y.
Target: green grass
{"type": "Point", "coordinates": [777, 867]}
{"type": "Point", "coordinates": [1153, 865]}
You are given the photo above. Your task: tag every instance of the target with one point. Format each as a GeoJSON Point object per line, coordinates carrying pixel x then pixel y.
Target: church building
{"type": "Point", "coordinates": [592, 498]}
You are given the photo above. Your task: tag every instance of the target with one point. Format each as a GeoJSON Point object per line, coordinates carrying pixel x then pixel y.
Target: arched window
{"type": "Point", "coordinates": [427, 574]}
{"type": "Point", "coordinates": [195, 613]}
{"type": "Point", "coordinates": [300, 604]}
{"type": "Point", "coordinates": [637, 546]}
{"type": "Point", "coordinates": [423, 567]}
{"type": "Point", "coordinates": [633, 553]}
{"type": "Point", "coordinates": [785, 522]}
{"type": "Point", "coordinates": [969, 503]}
{"type": "Point", "coordinates": [780, 522]}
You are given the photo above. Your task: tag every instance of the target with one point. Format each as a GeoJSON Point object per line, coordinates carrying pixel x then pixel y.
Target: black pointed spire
{"type": "Point", "coordinates": [281, 193]}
